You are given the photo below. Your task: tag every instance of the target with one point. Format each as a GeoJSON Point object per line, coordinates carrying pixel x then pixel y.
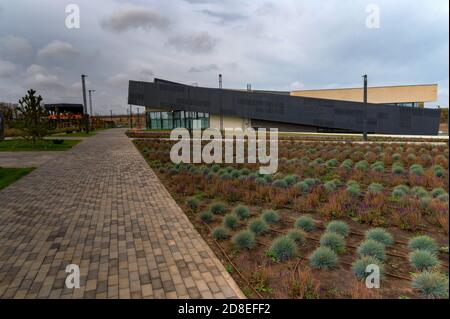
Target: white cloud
{"type": "Point", "coordinates": [37, 77]}
{"type": "Point", "coordinates": [7, 68]}
{"type": "Point", "coordinates": [58, 49]}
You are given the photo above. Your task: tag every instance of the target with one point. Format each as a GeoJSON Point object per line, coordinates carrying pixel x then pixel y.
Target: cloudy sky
{"type": "Point", "coordinates": [278, 45]}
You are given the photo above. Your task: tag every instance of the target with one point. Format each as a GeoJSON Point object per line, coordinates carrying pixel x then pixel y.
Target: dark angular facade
{"type": "Point", "coordinates": [283, 108]}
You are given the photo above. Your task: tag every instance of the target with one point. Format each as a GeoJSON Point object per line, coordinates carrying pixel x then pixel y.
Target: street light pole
{"type": "Point", "coordinates": [83, 86]}
{"type": "Point", "coordinates": [90, 106]}
{"type": "Point", "coordinates": [221, 115]}
{"type": "Point", "coordinates": [365, 109]}
{"type": "Point", "coordinates": [131, 118]}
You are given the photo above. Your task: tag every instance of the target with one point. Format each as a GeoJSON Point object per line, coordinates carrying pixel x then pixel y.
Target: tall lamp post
{"type": "Point", "coordinates": [90, 105]}
{"type": "Point", "coordinates": [365, 109]}
{"type": "Point", "coordinates": [221, 115]}
{"type": "Point", "coordinates": [83, 86]}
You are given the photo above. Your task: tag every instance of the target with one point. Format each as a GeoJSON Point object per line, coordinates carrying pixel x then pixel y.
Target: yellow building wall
{"type": "Point", "coordinates": [382, 94]}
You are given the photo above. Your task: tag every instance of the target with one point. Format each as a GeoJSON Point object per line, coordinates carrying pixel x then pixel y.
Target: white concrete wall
{"type": "Point", "coordinates": [229, 122]}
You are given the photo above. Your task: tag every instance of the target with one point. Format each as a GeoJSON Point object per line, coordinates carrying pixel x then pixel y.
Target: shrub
{"type": "Point", "coordinates": [230, 221]}
{"type": "Point", "coordinates": [258, 226]}
{"type": "Point", "coordinates": [270, 216]}
{"type": "Point", "coordinates": [192, 203]}
{"type": "Point", "coordinates": [419, 191]}
{"type": "Point", "coordinates": [347, 164]}
{"type": "Point", "coordinates": [219, 233]}
{"type": "Point", "coordinates": [280, 183]}
{"type": "Point", "coordinates": [400, 191]}
{"type": "Point", "coordinates": [331, 163]}
{"type": "Point", "coordinates": [423, 260]}
{"type": "Point", "coordinates": [241, 212]}
{"type": "Point", "coordinates": [443, 198]}
{"type": "Point", "coordinates": [302, 187]}
{"type": "Point", "coordinates": [425, 202]}
{"type": "Point", "coordinates": [423, 242]}
{"type": "Point", "coordinates": [362, 165]}
{"type": "Point", "coordinates": [375, 188]}
{"type": "Point", "coordinates": [215, 168]}
{"type": "Point", "coordinates": [380, 235]}
{"type": "Point", "coordinates": [359, 267]}
{"type": "Point", "coordinates": [431, 284]}
{"type": "Point", "coordinates": [416, 169]}
{"type": "Point", "coordinates": [377, 167]}
{"type": "Point", "coordinates": [206, 216]}
{"type": "Point", "coordinates": [323, 258]}
{"type": "Point", "coordinates": [329, 186]}
{"type": "Point", "coordinates": [397, 168]}
{"type": "Point", "coordinates": [225, 176]}
{"type": "Point", "coordinates": [338, 227]}
{"type": "Point", "coordinates": [312, 181]}
{"type": "Point", "coordinates": [436, 192]}
{"type": "Point", "coordinates": [372, 248]}
{"type": "Point", "coordinates": [305, 223]}
{"type": "Point", "coordinates": [353, 190]}
{"type": "Point", "coordinates": [261, 181]}
{"type": "Point", "coordinates": [438, 171]}
{"type": "Point", "coordinates": [244, 240]}
{"type": "Point", "coordinates": [333, 241]}
{"type": "Point", "coordinates": [245, 171]}
{"type": "Point", "coordinates": [297, 235]}
{"type": "Point", "coordinates": [217, 208]}
{"type": "Point", "coordinates": [396, 156]}
{"type": "Point", "coordinates": [283, 248]}
{"type": "Point", "coordinates": [290, 179]}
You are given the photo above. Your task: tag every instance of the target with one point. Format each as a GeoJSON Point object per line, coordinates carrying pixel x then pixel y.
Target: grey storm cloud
{"type": "Point", "coordinates": [204, 68]}
{"type": "Point", "coordinates": [200, 42]}
{"type": "Point", "coordinates": [16, 49]}
{"type": "Point", "coordinates": [134, 17]}
{"type": "Point", "coordinates": [6, 68]}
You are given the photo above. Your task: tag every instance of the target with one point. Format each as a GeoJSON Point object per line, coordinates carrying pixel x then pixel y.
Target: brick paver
{"type": "Point", "coordinates": [100, 206]}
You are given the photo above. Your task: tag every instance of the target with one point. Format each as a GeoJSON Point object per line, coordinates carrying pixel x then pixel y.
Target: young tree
{"type": "Point", "coordinates": [32, 116]}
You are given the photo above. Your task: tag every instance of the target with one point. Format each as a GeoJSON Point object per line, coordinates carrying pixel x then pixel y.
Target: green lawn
{"type": "Point", "coordinates": [42, 145]}
{"type": "Point", "coordinates": [10, 175]}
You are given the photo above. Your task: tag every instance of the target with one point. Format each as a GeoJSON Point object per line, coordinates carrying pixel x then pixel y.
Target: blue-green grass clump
{"type": "Point", "coordinates": [283, 248]}
{"type": "Point", "coordinates": [297, 235]}
{"type": "Point", "coordinates": [372, 248]}
{"type": "Point", "coordinates": [219, 233]}
{"type": "Point", "coordinates": [305, 223]}
{"type": "Point", "coordinates": [244, 240]}
{"type": "Point", "coordinates": [359, 267]}
{"type": "Point", "coordinates": [423, 260]}
{"type": "Point", "coordinates": [431, 284]}
{"type": "Point", "coordinates": [217, 208]}
{"type": "Point", "coordinates": [323, 258]}
{"type": "Point", "coordinates": [423, 242]}
{"type": "Point", "coordinates": [192, 203]}
{"type": "Point", "coordinates": [280, 183]}
{"type": "Point", "coordinates": [241, 212]}
{"type": "Point", "coordinates": [375, 188]}
{"type": "Point", "coordinates": [230, 221]}
{"type": "Point", "coordinates": [380, 235]}
{"type": "Point", "coordinates": [338, 227]}
{"type": "Point", "coordinates": [333, 241]}
{"type": "Point", "coordinates": [206, 216]}
{"type": "Point", "coordinates": [270, 216]}
{"type": "Point", "coordinates": [258, 226]}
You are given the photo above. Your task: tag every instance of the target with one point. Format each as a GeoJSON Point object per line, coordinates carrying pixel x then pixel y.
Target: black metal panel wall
{"type": "Point", "coordinates": [383, 119]}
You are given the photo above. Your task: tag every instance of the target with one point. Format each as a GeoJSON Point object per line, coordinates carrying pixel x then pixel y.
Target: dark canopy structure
{"type": "Point", "coordinates": [284, 108]}
{"type": "Point", "coordinates": [65, 108]}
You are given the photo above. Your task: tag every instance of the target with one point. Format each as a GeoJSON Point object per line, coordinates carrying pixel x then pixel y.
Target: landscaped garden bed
{"type": "Point", "coordinates": [309, 230]}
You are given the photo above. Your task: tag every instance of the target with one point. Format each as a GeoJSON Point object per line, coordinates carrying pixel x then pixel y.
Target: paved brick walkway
{"type": "Point", "coordinates": [101, 207]}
